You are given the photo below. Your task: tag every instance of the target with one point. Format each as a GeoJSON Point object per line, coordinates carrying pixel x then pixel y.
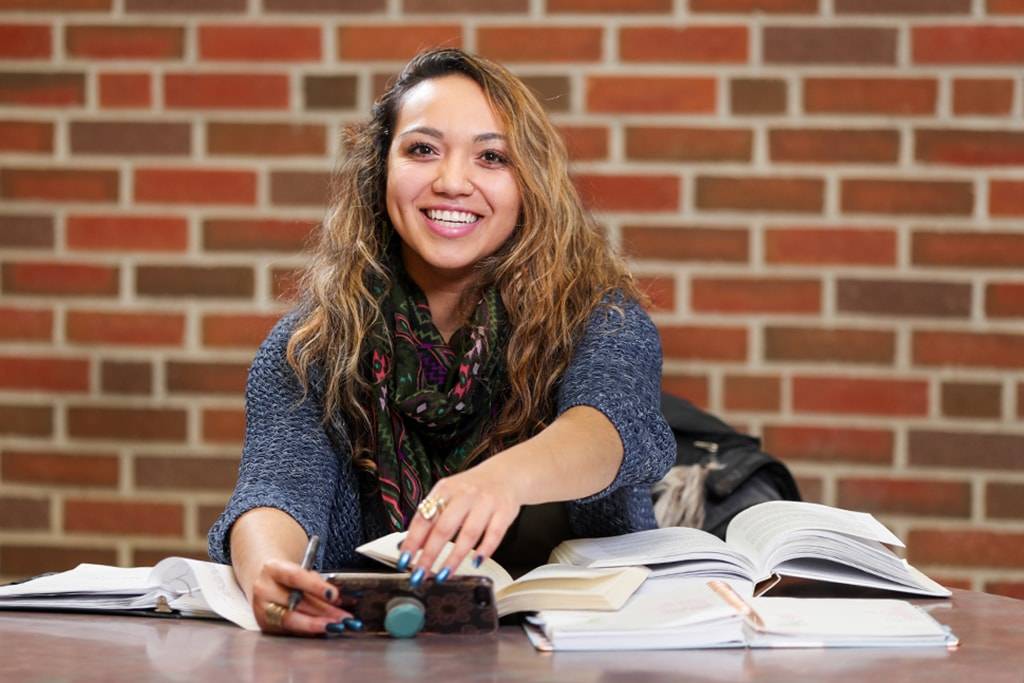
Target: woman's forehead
{"type": "Point", "coordinates": [449, 104]}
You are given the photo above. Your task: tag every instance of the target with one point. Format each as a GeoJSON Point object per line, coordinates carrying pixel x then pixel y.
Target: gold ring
{"type": "Point", "coordinates": [430, 507]}
{"type": "Point", "coordinates": [275, 614]}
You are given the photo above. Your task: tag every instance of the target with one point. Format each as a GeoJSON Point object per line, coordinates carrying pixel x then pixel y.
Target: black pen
{"type": "Point", "coordinates": [307, 562]}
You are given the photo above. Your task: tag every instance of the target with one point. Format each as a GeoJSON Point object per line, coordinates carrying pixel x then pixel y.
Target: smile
{"type": "Point", "coordinates": [451, 224]}
{"type": "Point", "coordinates": [452, 217]}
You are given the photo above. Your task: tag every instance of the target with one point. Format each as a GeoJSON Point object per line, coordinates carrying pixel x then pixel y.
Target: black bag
{"type": "Point", "coordinates": [736, 472]}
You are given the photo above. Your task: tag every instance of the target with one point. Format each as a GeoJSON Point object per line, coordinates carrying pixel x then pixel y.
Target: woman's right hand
{"type": "Point", "coordinates": [318, 608]}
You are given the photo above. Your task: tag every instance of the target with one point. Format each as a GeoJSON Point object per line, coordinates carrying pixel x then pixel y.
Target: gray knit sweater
{"type": "Point", "coordinates": [290, 462]}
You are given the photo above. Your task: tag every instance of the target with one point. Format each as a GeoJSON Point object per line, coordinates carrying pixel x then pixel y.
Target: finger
{"type": "Point", "coordinates": [499, 524]}
{"type": "Point", "coordinates": [445, 527]}
{"type": "Point", "coordinates": [307, 580]}
{"type": "Point", "coordinates": [295, 623]}
{"type": "Point", "coordinates": [268, 590]}
{"type": "Point", "coordinates": [473, 528]}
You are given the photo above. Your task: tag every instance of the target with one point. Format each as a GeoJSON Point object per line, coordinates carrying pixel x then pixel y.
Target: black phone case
{"type": "Point", "coordinates": [462, 604]}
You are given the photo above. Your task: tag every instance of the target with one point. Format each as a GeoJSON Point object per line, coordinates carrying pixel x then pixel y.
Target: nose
{"type": "Point", "coordinates": [453, 177]}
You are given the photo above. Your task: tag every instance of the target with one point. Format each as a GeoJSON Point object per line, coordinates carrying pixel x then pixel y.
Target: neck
{"type": "Point", "coordinates": [445, 294]}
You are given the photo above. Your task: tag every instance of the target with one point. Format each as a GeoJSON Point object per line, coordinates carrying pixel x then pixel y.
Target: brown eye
{"type": "Point", "coordinates": [492, 157]}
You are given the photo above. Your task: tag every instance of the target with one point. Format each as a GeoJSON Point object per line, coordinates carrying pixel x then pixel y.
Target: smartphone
{"type": "Point", "coordinates": [462, 604]}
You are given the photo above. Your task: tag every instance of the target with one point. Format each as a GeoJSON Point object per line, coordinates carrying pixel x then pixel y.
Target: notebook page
{"type": "Point", "coordinates": [215, 583]}
{"type": "Point", "coordinates": [385, 550]}
{"type": "Point", "coordinates": [845, 618]}
{"type": "Point", "coordinates": [86, 578]}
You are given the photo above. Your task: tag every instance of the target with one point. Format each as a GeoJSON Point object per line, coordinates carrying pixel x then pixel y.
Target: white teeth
{"type": "Point", "coordinates": [452, 216]}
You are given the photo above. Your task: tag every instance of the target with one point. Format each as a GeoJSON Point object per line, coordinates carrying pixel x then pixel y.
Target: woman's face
{"type": "Point", "coordinates": [451, 193]}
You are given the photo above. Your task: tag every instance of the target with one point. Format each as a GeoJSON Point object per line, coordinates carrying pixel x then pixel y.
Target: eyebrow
{"type": "Point", "coordinates": [435, 133]}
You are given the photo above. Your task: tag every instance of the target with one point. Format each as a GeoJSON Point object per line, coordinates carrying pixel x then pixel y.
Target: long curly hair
{"type": "Point", "coordinates": [553, 271]}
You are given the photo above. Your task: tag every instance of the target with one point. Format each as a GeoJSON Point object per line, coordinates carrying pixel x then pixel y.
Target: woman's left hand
{"type": "Point", "coordinates": [478, 505]}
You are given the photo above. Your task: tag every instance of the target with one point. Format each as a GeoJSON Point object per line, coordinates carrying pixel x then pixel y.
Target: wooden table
{"type": "Point", "coordinates": [78, 647]}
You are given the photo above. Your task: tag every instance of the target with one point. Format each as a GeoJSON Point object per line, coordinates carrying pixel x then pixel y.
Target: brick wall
{"type": "Point", "coordinates": [823, 196]}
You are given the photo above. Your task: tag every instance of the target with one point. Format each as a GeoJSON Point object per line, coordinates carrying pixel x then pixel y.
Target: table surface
{"type": "Point", "coordinates": [83, 647]}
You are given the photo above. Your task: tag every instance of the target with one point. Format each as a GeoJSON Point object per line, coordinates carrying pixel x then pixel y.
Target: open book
{"type": "Point", "coordinates": [681, 613]}
{"type": "Point", "coordinates": [785, 538]}
{"type": "Point", "coordinates": [175, 586]}
{"type": "Point", "coordinates": [551, 586]}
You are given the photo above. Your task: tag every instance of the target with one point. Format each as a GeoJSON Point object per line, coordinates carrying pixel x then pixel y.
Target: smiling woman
{"type": "Point", "coordinates": [467, 350]}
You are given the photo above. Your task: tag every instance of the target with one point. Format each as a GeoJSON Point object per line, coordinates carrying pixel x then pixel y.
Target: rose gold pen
{"type": "Point", "coordinates": [726, 592]}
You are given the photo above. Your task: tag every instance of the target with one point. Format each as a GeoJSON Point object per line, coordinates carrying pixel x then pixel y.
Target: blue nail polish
{"type": "Point", "coordinates": [477, 561]}
{"type": "Point", "coordinates": [442, 575]}
{"type": "Point", "coordinates": [417, 577]}
{"type": "Point", "coordinates": [353, 624]}
{"type": "Point", "coordinates": [337, 628]}
{"type": "Point", "coordinates": [329, 594]}
{"type": "Point", "coordinates": [403, 561]}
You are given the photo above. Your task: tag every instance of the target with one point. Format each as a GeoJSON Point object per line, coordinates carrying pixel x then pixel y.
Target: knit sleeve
{"type": "Point", "coordinates": [616, 369]}
{"type": "Point", "coordinates": [288, 461]}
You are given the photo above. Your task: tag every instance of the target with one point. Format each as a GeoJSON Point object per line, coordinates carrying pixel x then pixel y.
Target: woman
{"type": "Point", "coordinates": [467, 344]}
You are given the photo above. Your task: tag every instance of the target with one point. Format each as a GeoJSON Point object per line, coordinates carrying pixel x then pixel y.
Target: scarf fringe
{"type": "Point", "coordinates": [681, 495]}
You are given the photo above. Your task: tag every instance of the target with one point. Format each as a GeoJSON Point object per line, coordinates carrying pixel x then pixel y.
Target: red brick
{"type": "Point", "coordinates": [49, 373]}
{"type": "Point", "coordinates": [126, 377]}
{"type": "Point", "coordinates": [25, 41]}
{"type": "Point", "coordinates": [125, 90]}
{"type": "Point", "coordinates": [24, 420]}
{"type": "Point", "coordinates": [226, 91]}
{"type": "Point", "coordinates": [965, 548]}
{"type": "Point", "coordinates": [689, 144]}
{"type": "Point", "coordinates": [259, 43]}
{"type": "Point", "coordinates": [127, 233]}
{"type": "Point", "coordinates": [835, 345]}
{"type": "Point", "coordinates": [903, 6]}
{"type": "Point", "coordinates": [811, 489]}
{"type": "Point", "coordinates": [755, 295]}
{"type": "Point", "coordinates": [823, 145]}
{"type": "Point", "coordinates": [596, 6]}
{"type": "Point", "coordinates": [704, 342]}
{"type": "Point", "coordinates": [195, 281]}
{"type": "Point", "coordinates": [126, 424]}
{"type": "Point", "coordinates": [227, 234]}
{"type": "Point", "coordinates": [125, 42]}
{"type": "Point", "coordinates": [926, 197]}
{"type": "Point", "coordinates": [757, 96]}
{"type": "Point", "coordinates": [124, 138]}
{"type": "Point", "coordinates": [753, 393]}
{"type": "Point", "coordinates": [190, 6]}
{"type": "Point", "coordinates": [830, 444]}
{"type": "Point", "coordinates": [694, 388]}
{"type": "Point", "coordinates": [1004, 500]}
{"type": "Point", "coordinates": [149, 556]}
{"type": "Point", "coordinates": [59, 184]}
{"type": "Point", "coordinates": [452, 6]}
{"type": "Point", "coordinates": [651, 95]}
{"type": "Point", "coordinates": [284, 284]}
{"type": "Point", "coordinates": [1020, 400]}
{"type": "Point", "coordinates": [56, 468]}
{"type": "Point", "coordinates": [186, 473]}
{"type": "Point", "coordinates": [26, 324]}
{"type": "Point", "coordinates": [206, 378]}
{"type": "Point", "coordinates": [761, 193]}
{"type": "Point", "coordinates": [1004, 7]}
{"type": "Point", "coordinates": [123, 517]}
{"type": "Point", "coordinates": [31, 137]}
{"type": "Point", "coordinates": [1006, 198]}
{"type": "Point", "coordinates": [330, 92]}
{"type": "Point", "coordinates": [965, 450]}
{"type": "Point", "coordinates": [972, 399]}
{"type": "Point", "coordinates": [830, 245]}
{"type": "Point", "coordinates": [630, 192]}
{"type": "Point", "coordinates": [969, 147]}
{"type": "Point", "coordinates": [124, 328]}
{"type": "Point", "coordinates": [729, 245]}
{"type": "Point", "coordinates": [195, 186]}
{"type": "Point", "coordinates": [829, 45]}
{"type": "Point", "coordinates": [1004, 300]}
{"type": "Point", "coordinates": [540, 44]}
{"type": "Point", "coordinates": [300, 188]}
{"type": "Point", "coordinates": [26, 231]}
{"type": "Point", "coordinates": [934, 498]}
{"type": "Point", "coordinates": [24, 513]}
{"type": "Point", "coordinates": [860, 396]}
{"type": "Point", "coordinates": [904, 298]}
{"type": "Point", "coordinates": [66, 279]}
{"type": "Point", "coordinates": [891, 96]}
{"type": "Point", "coordinates": [236, 331]}
{"type": "Point", "coordinates": [660, 289]}
{"type": "Point", "coordinates": [700, 44]}
{"type": "Point", "coordinates": [1012, 589]}
{"type": "Point", "coordinates": [261, 139]}
{"type": "Point", "coordinates": [57, 5]}
{"type": "Point", "coordinates": [41, 89]}
{"type": "Point", "coordinates": [968, 349]}
{"type": "Point", "coordinates": [222, 425]}
{"type": "Point", "coordinates": [585, 143]}
{"type": "Point", "coordinates": [967, 44]}
{"type": "Point", "coordinates": [752, 6]}
{"type": "Point", "coordinates": [394, 41]}
{"type": "Point", "coordinates": [23, 561]}
{"type": "Point", "coordinates": [982, 96]}
{"type": "Point", "coordinates": [968, 249]}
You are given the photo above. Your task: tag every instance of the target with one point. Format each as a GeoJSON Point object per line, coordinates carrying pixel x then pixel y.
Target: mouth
{"type": "Point", "coordinates": [448, 223]}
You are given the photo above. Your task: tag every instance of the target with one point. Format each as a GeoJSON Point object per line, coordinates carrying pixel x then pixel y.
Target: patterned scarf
{"type": "Point", "coordinates": [432, 401]}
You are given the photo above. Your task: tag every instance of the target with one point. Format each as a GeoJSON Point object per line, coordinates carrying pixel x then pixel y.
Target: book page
{"type": "Point", "coordinates": [215, 583]}
{"type": "Point", "coordinates": [385, 550]}
{"type": "Point", "coordinates": [848, 619]}
{"type": "Point", "coordinates": [758, 530]}
{"type": "Point", "coordinates": [86, 579]}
